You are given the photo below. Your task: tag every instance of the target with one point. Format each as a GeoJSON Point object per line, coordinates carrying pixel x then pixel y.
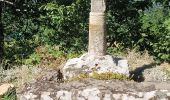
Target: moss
{"type": "Point", "coordinates": [80, 77]}
{"type": "Point", "coordinates": [101, 76]}
{"type": "Point", "coordinates": [109, 76]}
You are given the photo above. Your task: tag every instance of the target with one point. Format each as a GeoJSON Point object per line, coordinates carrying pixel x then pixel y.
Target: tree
{"type": "Point", "coordinates": [155, 32]}
{"type": "Point", "coordinates": [1, 33]}
{"type": "Point", "coordinates": [18, 17]}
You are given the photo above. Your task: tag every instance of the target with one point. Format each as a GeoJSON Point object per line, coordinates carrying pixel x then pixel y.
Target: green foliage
{"type": "Point", "coordinates": [118, 51]}
{"type": "Point", "coordinates": [33, 59]}
{"type": "Point", "coordinates": [49, 56]}
{"type": "Point", "coordinates": [123, 21]}
{"type": "Point", "coordinates": [66, 26]}
{"type": "Point", "coordinates": [141, 24]}
{"type": "Point", "coordinates": [155, 33]}
{"type": "Point", "coordinates": [135, 27]}
{"type": "Point", "coordinates": [62, 24]}
{"type": "Point", "coordinates": [73, 55]}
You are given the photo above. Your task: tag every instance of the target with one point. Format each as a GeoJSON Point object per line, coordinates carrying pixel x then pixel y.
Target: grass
{"type": "Point", "coordinates": [20, 75]}
{"type": "Point", "coordinates": [135, 58]}
{"type": "Point", "coordinates": [139, 59]}
{"type": "Point", "coordinates": [45, 57]}
{"type": "Point", "coordinates": [10, 95]}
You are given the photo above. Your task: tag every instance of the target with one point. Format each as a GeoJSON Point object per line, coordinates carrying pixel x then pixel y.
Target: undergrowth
{"type": "Point", "coordinates": [20, 75]}
{"type": "Point", "coordinates": [48, 56]}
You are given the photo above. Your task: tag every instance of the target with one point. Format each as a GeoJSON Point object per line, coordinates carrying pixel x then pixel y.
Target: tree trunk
{"type": "Point", "coordinates": [97, 28]}
{"type": "Point", "coordinates": [1, 34]}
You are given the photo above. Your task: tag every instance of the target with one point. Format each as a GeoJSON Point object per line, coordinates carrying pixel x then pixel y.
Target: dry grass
{"type": "Point", "coordinates": [166, 67]}
{"type": "Point", "coordinates": [20, 75]}
{"type": "Point", "coordinates": [52, 62]}
{"type": "Point", "coordinates": [137, 59]}
{"type": "Point", "coordinates": [50, 57]}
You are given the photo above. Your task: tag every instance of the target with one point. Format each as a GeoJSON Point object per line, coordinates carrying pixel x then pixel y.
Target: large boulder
{"type": "Point", "coordinates": [87, 64]}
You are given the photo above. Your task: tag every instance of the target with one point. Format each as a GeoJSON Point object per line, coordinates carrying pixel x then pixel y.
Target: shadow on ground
{"type": "Point", "coordinates": [137, 74]}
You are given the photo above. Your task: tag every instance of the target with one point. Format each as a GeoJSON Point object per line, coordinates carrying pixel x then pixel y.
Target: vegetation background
{"type": "Point", "coordinates": [37, 35]}
{"type": "Point", "coordinates": [48, 32]}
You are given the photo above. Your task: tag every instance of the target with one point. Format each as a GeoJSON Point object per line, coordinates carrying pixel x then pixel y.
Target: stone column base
{"type": "Point", "coordinates": [86, 64]}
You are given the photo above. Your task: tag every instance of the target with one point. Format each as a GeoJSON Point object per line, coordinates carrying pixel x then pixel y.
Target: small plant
{"type": "Point", "coordinates": [72, 55]}
{"type": "Point", "coordinates": [33, 59]}
{"type": "Point", "coordinates": [10, 95]}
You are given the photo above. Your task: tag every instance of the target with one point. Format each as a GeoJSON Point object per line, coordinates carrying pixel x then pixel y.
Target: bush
{"type": "Point", "coordinates": [66, 25]}
{"type": "Point", "coordinates": [155, 34]}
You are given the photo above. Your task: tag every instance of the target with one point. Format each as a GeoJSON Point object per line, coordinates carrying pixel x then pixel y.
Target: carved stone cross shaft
{"type": "Point", "coordinates": [97, 28]}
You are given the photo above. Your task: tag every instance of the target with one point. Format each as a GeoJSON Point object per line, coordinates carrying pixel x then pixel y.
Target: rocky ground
{"type": "Point", "coordinates": [156, 87]}
{"type": "Point", "coordinates": [149, 82]}
{"type": "Point", "coordinates": [91, 89]}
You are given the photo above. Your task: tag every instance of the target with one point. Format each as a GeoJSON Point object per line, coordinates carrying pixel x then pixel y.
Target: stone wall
{"type": "Point", "coordinates": [91, 89]}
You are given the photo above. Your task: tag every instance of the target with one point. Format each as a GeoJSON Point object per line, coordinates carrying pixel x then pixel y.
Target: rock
{"type": "Point", "coordinates": [90, 94]}
{"type": "Point", "coordinates": [92, 89]}
{"type": "Point", "coordinates": [64, 95]}
{"type": "Point", "coordinates": [4, 88]}
{"type": "Point", "coordinates": [97, 94]}
{"type": "Point", "coordinates": [155, 74]}
{"type": "Point", "coordinates": [28, 96]}
{"type": "Point", "coordinates": [46, 96]}
{"type": "Point", "coordinates": [101, 64]}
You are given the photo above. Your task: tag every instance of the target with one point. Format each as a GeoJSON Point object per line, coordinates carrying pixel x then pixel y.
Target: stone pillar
{"type": "Point", "coordinates": [97, 28]}
{"type": "Point", "coordinates": [96, 59]}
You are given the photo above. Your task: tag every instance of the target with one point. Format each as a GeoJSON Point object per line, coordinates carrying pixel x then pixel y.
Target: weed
{"type": "Point", "coordinates": [10, 95]}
